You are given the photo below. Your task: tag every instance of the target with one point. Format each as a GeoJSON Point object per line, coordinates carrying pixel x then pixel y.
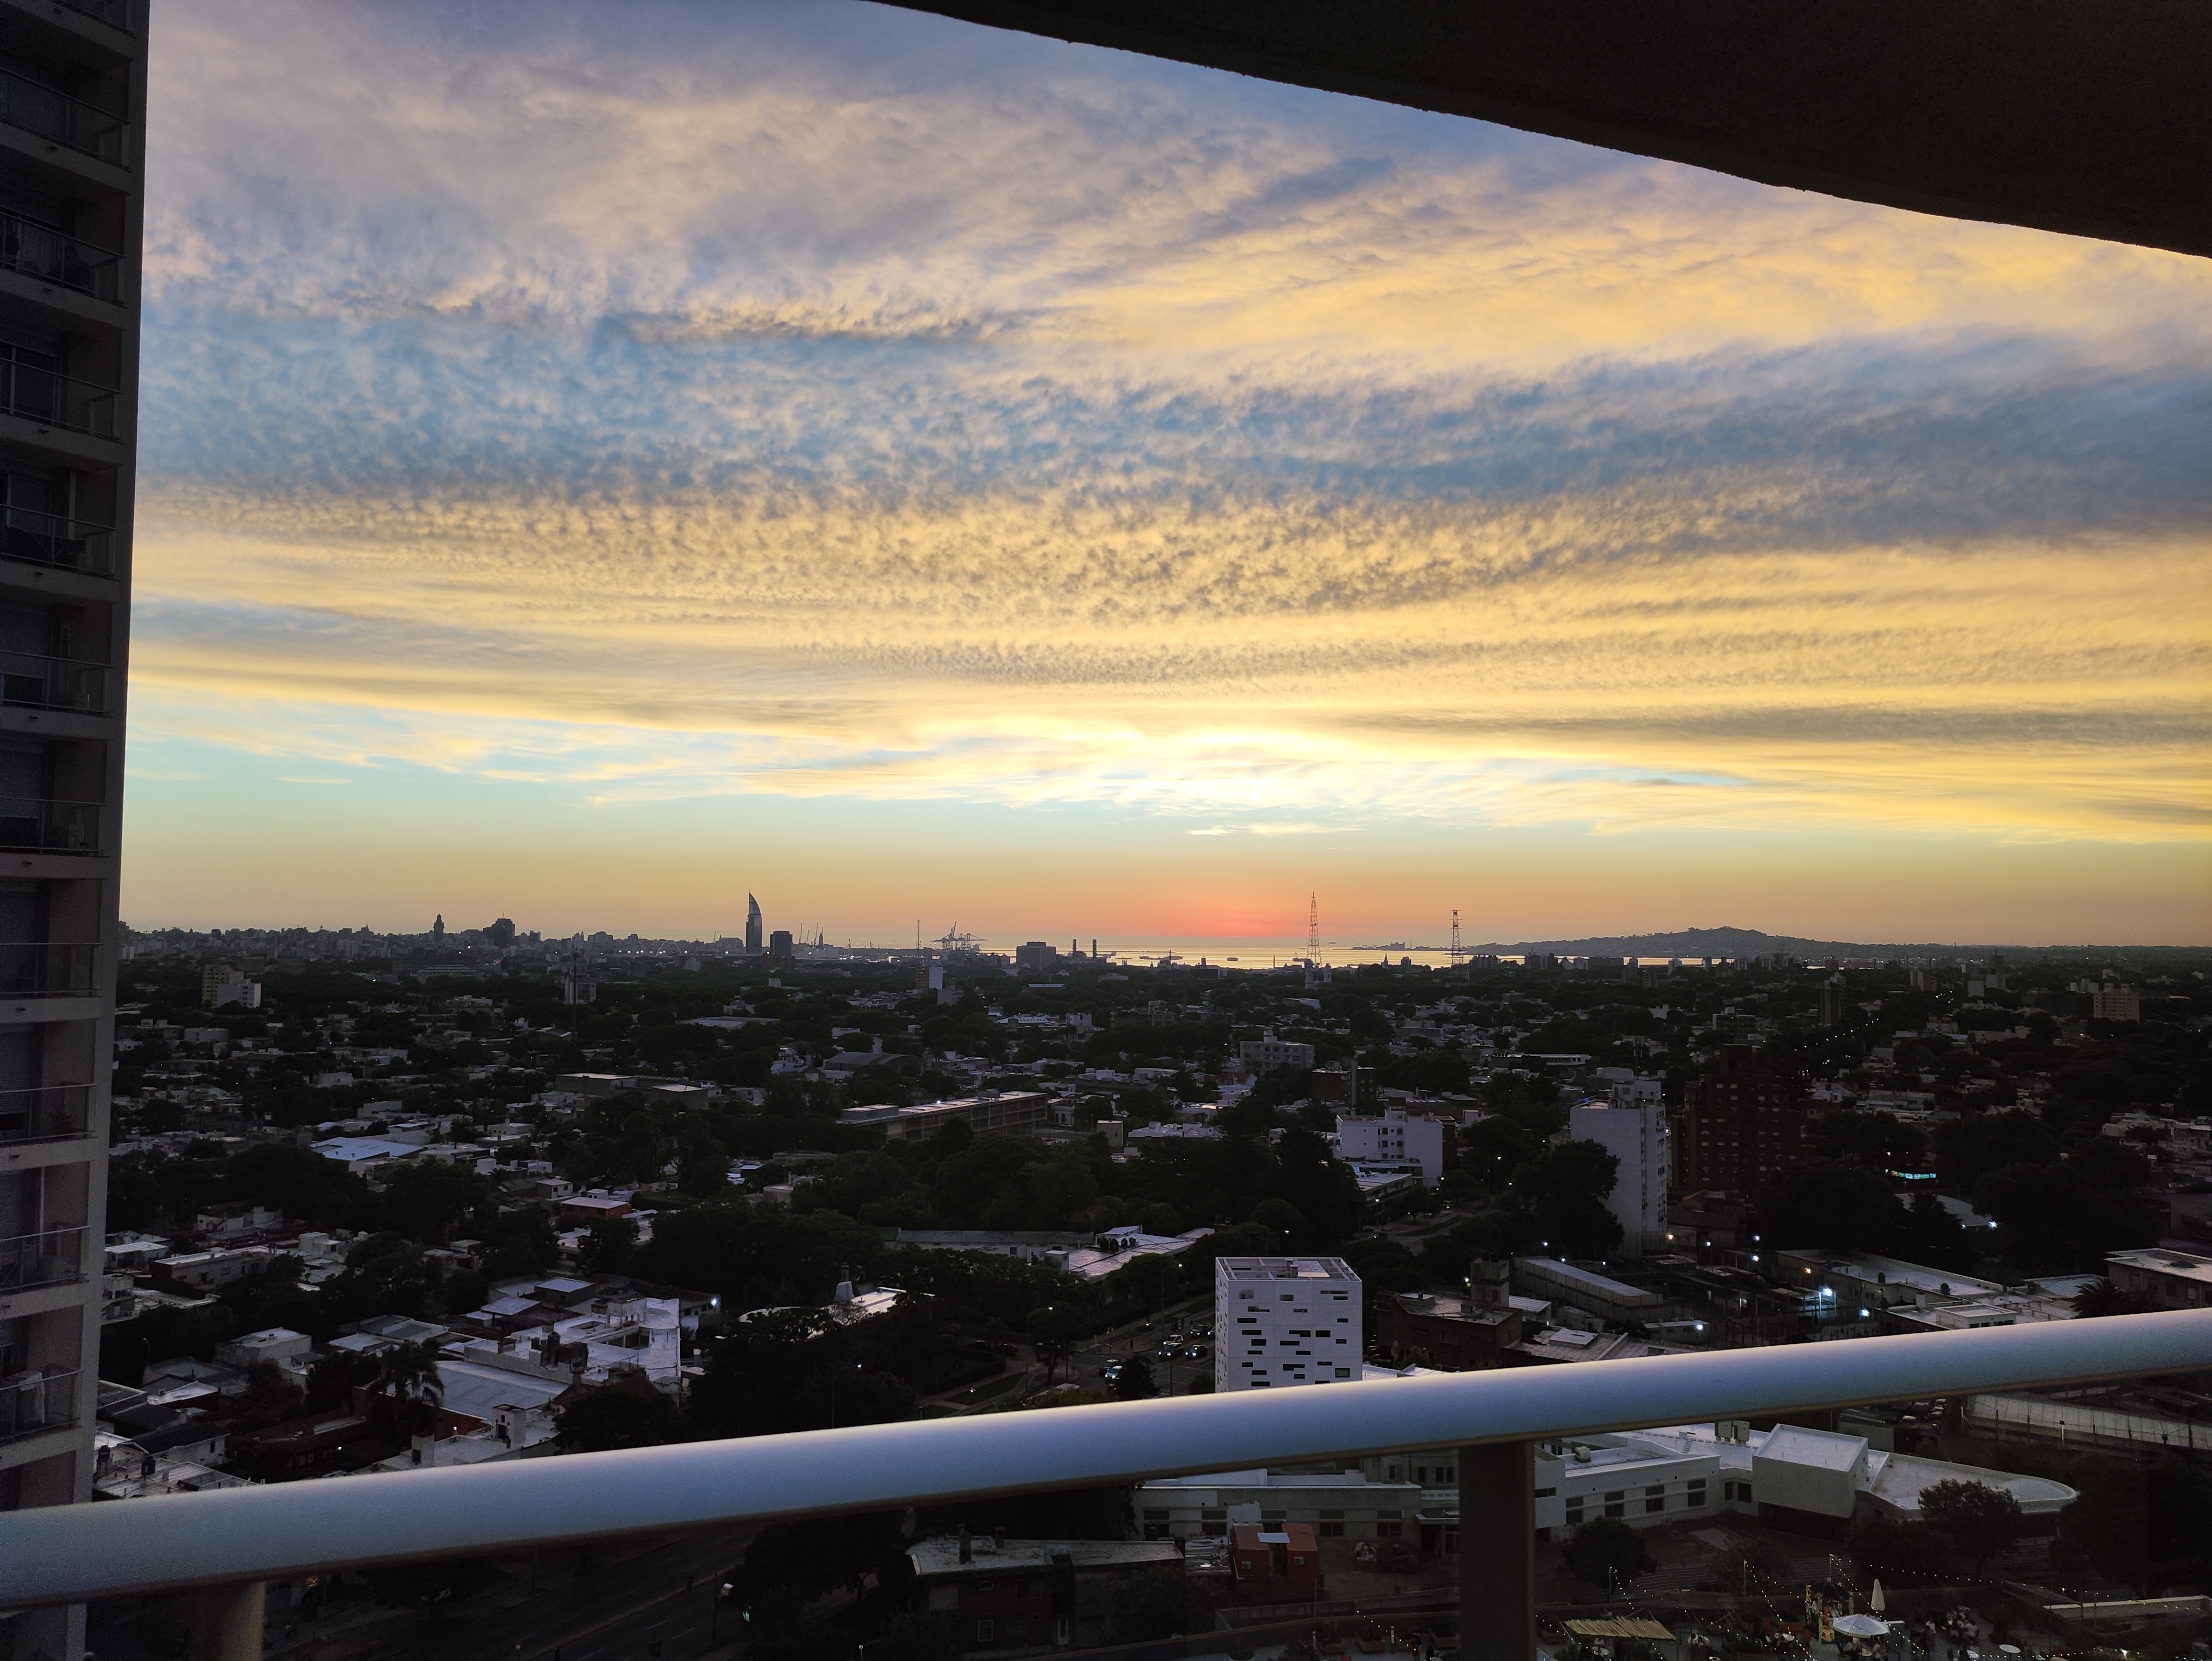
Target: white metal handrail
{"type": "Point", "coordinates": [70, 1552]}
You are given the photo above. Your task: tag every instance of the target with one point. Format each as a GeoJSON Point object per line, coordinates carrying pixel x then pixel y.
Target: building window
{"type": "Point", "coordinates": [1155, 1517]}
{"type": "Point", "coordinates": [1330, 1530]}
{"type": "Point", "coordinates": [985, 1631]}
{"type": "Point", "coordinates": [1575, 1512]}
{"type": "Point", "coordinates": [985, 1586]}
{"type": "Point", "coordinates": [1696, 1494]}
{"type": "Point", "coordinates": [1655, 1501]}
{"type": "Point", "coordinates": [1546, 1494]}
{"type": "Point", "coordinates": [1448, 1473]}
{"type": "Point", "coordinates": [1388, 1530]}
{"type": "Point", "coordinates": [1616, 1503]}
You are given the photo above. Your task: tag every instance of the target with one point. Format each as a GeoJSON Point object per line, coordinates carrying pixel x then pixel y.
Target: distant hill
{"type": "Point", "coordinates": [1754, 943]}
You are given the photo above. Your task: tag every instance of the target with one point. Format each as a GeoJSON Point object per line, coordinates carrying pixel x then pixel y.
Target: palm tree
{"type": "Point", "coordinates": [407, 1377]}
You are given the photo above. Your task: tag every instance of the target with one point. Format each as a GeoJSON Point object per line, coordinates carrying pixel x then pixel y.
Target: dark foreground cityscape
{"type": "Point", "coordinates": [382, 1203]}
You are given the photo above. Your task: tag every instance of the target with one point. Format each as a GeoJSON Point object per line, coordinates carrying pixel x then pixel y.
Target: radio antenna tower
{"type": "Point", "coordinates": [1313, 928]}
{"type": "Point", "coordinates": [1454, 950]}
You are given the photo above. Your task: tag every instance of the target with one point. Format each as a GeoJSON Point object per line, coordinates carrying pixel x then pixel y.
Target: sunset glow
{"type": "Point", "coordinates": [601, 460]}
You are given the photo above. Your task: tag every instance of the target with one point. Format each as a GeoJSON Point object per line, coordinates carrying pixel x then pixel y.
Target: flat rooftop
{"type": "Point", "coordinates": [1283, 1268]}
{"type": "Point", "coordinates": [942, 1555]}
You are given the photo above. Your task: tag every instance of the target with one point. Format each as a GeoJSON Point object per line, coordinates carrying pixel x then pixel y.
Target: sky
{"type": "Point", "coordinates": [599, 461]}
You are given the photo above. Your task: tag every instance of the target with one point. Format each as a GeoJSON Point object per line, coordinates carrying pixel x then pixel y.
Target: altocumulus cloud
{"type": "Point", "coordinates": [725, 402]}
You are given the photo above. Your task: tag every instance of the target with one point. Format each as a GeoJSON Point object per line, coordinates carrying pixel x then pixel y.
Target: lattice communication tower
{"type": "Point", "coordinates": [1313, 927]}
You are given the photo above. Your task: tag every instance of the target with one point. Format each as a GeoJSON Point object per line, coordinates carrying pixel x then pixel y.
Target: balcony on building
{"type": "Point", "coordinates": [37, 1401]}
{"type": "Point", "coordinates": [33, 386]}
{"type": "Point", "coordinates": [47, 968]}
{"type": "Point", "coordinates": [49, 113]}
{"type": "Point", "coordinates": [53, 1256]}
{"type": "Point", "coordinates": [34, 825]}
{"type": "Point", "coordinates": [44, 1113]}
{"type": "Point", "coordinates": [49, 254]}
{"type": "Point", "coordinates": [31, 681]}
{"type": "Point", "coordinates": [38, 538]}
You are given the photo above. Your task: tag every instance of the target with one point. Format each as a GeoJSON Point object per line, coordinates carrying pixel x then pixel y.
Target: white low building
{"type": "Point", "coordinates": [1426, 1140]}
{"type": "Point", "coordinates": [1808, 1480]}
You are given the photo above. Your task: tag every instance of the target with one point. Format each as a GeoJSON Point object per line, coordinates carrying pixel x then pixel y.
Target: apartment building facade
{"type": "Point", "coordinates": [72, 126]}
{"type": "Point", "coordinates": [1740, 1124]}
{"type": "Point", "coordinates": [1280, 1321]}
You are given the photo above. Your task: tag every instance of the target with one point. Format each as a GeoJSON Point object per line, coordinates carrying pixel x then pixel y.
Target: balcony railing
{"type": "Point", "coordinates": [241, 1537]}
{"type": "Point", "coordinates": [53, 1257]}
{"type": "Point", "coordinates": [40, 969]}
{"type": "Point", "coordinates": [33, 824]}
{"type": "Point", "coordinates": [54, 256]}
{"type": "Point", "coordinates": [46, 538]}
{"type": "Point", "coordinates": [38, 683]}
{"type": "Point", "coordinates": [54, 399]}
{"type": "Point", "coordinates": [44, 1113]}
{"type": "Point", "coordinates": [33, 1403]}
{"type": "Point", "coordinates": [48, 113]}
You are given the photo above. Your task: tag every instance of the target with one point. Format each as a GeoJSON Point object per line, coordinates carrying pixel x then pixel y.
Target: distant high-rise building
{"type": "Point", "coordinates": [1280, 1321]}
{"type": "Point", "coordinates": [501, 932]}
{"type": "Point", "coordinates": [1832, 1003]}
{"type": "Point", "coordinates": [71, 201]}
{"type": "Point", "coordinates": [1036, 954]}
{"type": "Point", "coordinates": [779, 946]}
{"type": "Point", "coordinates": [752, 925]}
{"type": "Point", "coordinates": [1631, 1125]}
{"type": "Point", "coordinates": [1739, 1126]}
{"type": "Point", "coordinates": [438, 929]}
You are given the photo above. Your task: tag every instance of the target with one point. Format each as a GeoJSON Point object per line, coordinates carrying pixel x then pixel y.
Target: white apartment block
{"type": "Point", "coordinates": [72, 129]}
{"type": "Point", "coordinates": [1631, 1125]}
{"type": "Point", "coordinates": [1262, 1055]}
{"type": "Point", "coordinates": [1397, 1137]}
{"type": "Point", "coordinates": [1282, 1321]}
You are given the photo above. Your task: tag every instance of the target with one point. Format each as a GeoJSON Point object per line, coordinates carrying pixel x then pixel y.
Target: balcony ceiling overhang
{"type": "Point", "coordinates": [2088, 117]}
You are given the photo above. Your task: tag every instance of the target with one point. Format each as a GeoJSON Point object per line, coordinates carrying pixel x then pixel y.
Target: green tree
{"type": "Point", "coordinates": [408, 1383]}
{"type": "Point", "coordinates": [300, 1182]}
{"type": "Point", "coordinates": [1054, 1330]}
{"type": "Point", "coordinates": [1309, 1177]}
{"type": "Point", "coordinates": [1605, 1552]}
{"type": "Point", "coordinates": [1135, 1383]}
{"type": "Point", "coordinates": [1838, 1203]}
{"type": "Point", "coordinates": [619, 1418]}
{"type": "Point", "coordinates": [1982, 1520]}
{"type": "Point", "coordinates": [1160, 1603]}
{"type": "Point", "coordinates": [2101, 1298]}
{"type": "Point", "coordinates": [609, 1245]}
{"type": "Point", "coordinates": [917, 1638]}
{"type": "Point", "coordinates": [425, 1197]}
{"type": "Point", "coordinates": [1566, 1186]}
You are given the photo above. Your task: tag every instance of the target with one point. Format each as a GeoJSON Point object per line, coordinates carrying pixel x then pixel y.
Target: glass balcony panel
{"type": "Point", "coordinates": [35, 825]}
{"type": "Point", "coordinates": [53, 1257]}
{"type": "Point", "coordinates": [40, 683]}
{"type": "Point", "coordinates": [41, 110]}
{"type": "Point", "coordinates": [40, 969]}
{"type": "Point", "coordinates": [54, 256]}
{"type": "Point", "coordinates": [44, 539]}
{"type": "Point", "coordinates": [54, 399]}
{"type": "Point", "coordinates": [34, 1401]}
{"type": "Point", "coordinates": [44, 1113]}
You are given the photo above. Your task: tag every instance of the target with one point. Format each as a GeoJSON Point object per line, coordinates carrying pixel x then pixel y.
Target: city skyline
{"type": "Point", "coordinates": [892, 458]}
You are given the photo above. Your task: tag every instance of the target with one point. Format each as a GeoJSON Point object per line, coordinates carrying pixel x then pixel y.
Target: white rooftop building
{"type": "Point", "coordinates": [1285, 1321]}
{"type": "Point", "coordinates": [1426, 1140]}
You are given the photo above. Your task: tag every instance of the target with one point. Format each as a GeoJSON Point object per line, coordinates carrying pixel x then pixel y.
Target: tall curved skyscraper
{"type": "Point", "coordinates": [752, 925]}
